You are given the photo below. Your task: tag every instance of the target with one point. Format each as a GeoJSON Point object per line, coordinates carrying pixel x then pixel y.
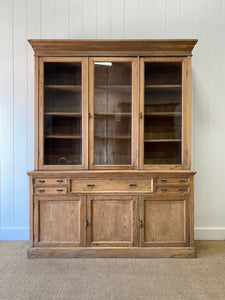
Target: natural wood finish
{"type": "Point", "coordinates": [36, 113]}
{"type": "Point", "coordinates": [172, 189]}
{"type": "Point", "coordinates": [164, 221]}
{"type": "Point", "coordinates": [110, 47]}
{"type": "Point", "coordinates": [119, 252]}
{"type": "Point", "coordinates": [111, 221]}
{"type": "Point", "coordinates": [50, 181]}
{"type": "Point", "coordinates": [136, 200]}
{"type": "Point", "coordinates": [171, 180]}
{"type": "Point", "coordinates": [191, 212]}
{"type": "Point", "coordinates": [31, 212]}
{"type": "Point", "coordinates": [59, 223]}
{"type": "Point", "coordinates": [129, 186]}
{"type": "Point", "coordinates": [84, 114]}
{"type": "Point", "coordinates": [50, 190]}
{"type": "Point", "coordinates": [92, 87]}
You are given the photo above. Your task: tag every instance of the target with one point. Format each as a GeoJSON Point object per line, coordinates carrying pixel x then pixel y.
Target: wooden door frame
{"type": "Point", "coordinates": [171, 197]}
{"type": "Point", "coordinates": [134, 220]}
{"type": "Point", "coordinates": [186, 113]}
{"type": "Point", "coordinates": [40, 155]}
{"type": "Point", "coordinates": [134, 131]}
{"type": "Point", "coordinates": [36, 222]}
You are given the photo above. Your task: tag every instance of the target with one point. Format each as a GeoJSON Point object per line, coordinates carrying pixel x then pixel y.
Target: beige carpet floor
{"type": "Point", "coordinates": [90, 279]}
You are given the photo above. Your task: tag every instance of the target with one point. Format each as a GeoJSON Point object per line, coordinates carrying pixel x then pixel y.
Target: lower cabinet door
{"type": "Point", "coordinates": [112, 221]}
{"type": "Point", "coordinates": [164, 221]}
{"type": "Point", "coordinates": [59, 222]}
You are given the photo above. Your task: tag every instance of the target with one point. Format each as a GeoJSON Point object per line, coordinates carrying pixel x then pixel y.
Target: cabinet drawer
{"type": "Point", "coordinates": [172, 180]}
{"type": "Point", "coordinates": [49, 181]}
{"type": "Point", "coordinates": [50, 190]}
{"type": "Point", "coordinates": [172, 189]}
{"type": "Point", "coordinates": [111, 185]}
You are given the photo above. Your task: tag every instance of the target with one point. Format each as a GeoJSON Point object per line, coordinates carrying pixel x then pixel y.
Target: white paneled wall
{"type": "Point", "coordinates": [122, 19]}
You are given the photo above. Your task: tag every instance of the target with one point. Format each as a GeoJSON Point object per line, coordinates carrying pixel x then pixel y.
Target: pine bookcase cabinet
{"type": "Point", "coordinates": [112, 171]}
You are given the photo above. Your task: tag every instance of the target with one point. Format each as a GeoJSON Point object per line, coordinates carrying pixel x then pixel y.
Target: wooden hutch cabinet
{"type": "Point", "coordinates": [112, 171]}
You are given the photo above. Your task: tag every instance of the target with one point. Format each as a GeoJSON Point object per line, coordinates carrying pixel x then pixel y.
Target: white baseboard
{"type": "Point", "coordinates": [14, 234]}
{"type": "Point", "coordinates": [210, 234]}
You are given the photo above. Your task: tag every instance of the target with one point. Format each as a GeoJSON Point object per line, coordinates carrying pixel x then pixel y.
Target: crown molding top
{"type": "Point", "coordinates": [71, 47]}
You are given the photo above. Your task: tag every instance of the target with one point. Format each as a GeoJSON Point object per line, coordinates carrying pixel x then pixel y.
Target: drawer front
{"type": "Point", "coordinates": [111, 185]}
{"type": "Point", "coordinates": [50, 190]}
{"type": "Point", "coordinates": [50, 181]}
{"type": "Point", "coordinates": [172, 189]}
{"type": "Point", "coordinates": [172, 180]}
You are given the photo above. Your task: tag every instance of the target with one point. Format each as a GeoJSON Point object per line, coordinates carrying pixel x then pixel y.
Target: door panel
{"type": "Point", "coordinates": [112, 103]}
{"type": "Point", "coordinates": [112, 221]}
{"type": "Point", "coordinates": [59, 222]}
{"type": "Point", "coordinates": [164, 221]}
{"type": "Point", "coordinates": [163, 107]}
{"type": "Point", "coordinates": [63, 113]}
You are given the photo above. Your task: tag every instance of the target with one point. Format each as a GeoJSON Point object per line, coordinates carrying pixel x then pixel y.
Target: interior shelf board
{"type": "Point", "coordinates": [57, 136]}
{"type": "Point", "coordinates": [162, 140]}
{"type": "Point", "coordinates": [159, 86]}
{"type": "Point", "coordinates": [64, 114]}
{"type": "Point", "coordinates": [116, 137]}
{"type": "Point", "coordinates": [113, 88]}
{"type": "Point", "coordinates": [163, 114]}
{"type": "Point", "coordinates": [113, 114]}
{"type": "Point", "coordinates": [73, 87]}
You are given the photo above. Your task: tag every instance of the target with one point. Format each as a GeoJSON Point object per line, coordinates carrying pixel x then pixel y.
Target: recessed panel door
{"type": "Point", "coordinates": [112, 221]}
{"type": "Point", "coordinates": [164, 221]}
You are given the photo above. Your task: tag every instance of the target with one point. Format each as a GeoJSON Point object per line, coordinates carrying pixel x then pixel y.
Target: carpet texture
{"type": "Point", "coordinates": [202, 278]}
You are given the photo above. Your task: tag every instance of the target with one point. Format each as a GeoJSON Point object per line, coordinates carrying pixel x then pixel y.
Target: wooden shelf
{"type": "Point", "coordinates": [162, 140]}
{"type": "Point", "coordinates": [116, 137]}
{"type": "Point", "coordinates": [71, 87]}
{"type": "Point", "coordinates": [64, 114]}
{"type": "Point", "coordinates": [163, 86]}
{"type": "Point", "coordinates": [163, 114]}
{"type": "Point", "coordinates": [114, 88]}
{"type": "Point", "coordinates": [63, 136]}
{"type": "Point", "coordinates": [113, 114]}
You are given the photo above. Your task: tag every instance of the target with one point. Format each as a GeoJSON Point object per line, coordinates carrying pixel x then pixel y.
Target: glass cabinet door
{"type": "Point", "coordinates": [161, 104]}
{"type": "Point", "coordinates": [63, 111]}
{"type": "Point", "coordinates": [112, 111]}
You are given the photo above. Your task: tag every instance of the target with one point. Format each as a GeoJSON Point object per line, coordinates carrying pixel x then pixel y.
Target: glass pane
{"type": "Point", "coordinates": [112, 113]}
{"type": "Point", "coordinates": [163, 113]}
{"type": "Point", "coordinates": [62, 113]}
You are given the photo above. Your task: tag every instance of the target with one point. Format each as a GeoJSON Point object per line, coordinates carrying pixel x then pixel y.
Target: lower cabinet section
{"type": "Point", "coordinates": [126, 223]}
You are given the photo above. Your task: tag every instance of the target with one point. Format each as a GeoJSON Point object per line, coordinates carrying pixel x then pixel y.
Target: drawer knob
{"type": "Point", "coordinates": [90, 185]}
{"type": "Point", "coordinates": [163, 190]}
{"type": "Point", "coordinates": [181, 190]}
{"type": "Point", "coordinates": [141, 224]}
{"type": "Point", "coordinates": [41, 191]}
{"type": "Point", "coordinates": [59, 180]}
{"type": "Point", "coordinates": [59, 190]}
{"type": "Point", "coordinates": [163, 180]}
{"type": "Point", "coordinates": [133, 185]}
{"type": "Point", "coordinates": [182, 180]}
{"type": "Point", "coordinates": [86, 223]}
{"type": "Point", "coordinates": [41, 181]}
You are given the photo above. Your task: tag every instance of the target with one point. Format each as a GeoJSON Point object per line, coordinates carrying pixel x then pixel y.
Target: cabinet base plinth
{"type": "Point", "coordinates": [122, 252]}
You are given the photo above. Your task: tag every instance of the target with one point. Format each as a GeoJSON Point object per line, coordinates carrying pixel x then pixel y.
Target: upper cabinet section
{"type": "Point", "coordinates": [113, 104]}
